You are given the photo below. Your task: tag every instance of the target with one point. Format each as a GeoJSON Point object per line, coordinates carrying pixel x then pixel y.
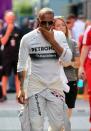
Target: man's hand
{"type": "Point", "coordinates": [48, 35]}
{"type": "Point", "coordinates": [21, 97]}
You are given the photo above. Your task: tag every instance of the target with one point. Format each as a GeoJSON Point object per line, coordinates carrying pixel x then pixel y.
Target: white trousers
{"type": "Point", "coordinates": [32, 118]}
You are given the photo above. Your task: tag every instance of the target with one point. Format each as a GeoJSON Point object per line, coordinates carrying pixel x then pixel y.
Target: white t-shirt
{"type": "Point", "coordinates": [45, 68]}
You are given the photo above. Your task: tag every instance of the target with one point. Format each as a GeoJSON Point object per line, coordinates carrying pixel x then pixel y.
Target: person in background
{"type": "Point", "coordinates": [27, 25]}
{"type": "Point", "coordinates": [70, 20]}
{"type": "Point", "coordinates": [79, 27]}
{"type": "Point", "coordinates": [70, 68]}
{"type": "Point", "coordinates": [80, 44]}
{"type": "Point", "coordinates": [1, 27]}
{"type": "Point", "coordinates": [10, 41]}
{"type": "Point", "coordinates": [80, 41]}
{"type": "Point", "coordinates": [45, 89]}
{"type": "Point", "coordinates": [1, 93]}
{"type": "Point", "coordinates": [1, 67]}
{"type": "Point", "coordinates": [85, 59]}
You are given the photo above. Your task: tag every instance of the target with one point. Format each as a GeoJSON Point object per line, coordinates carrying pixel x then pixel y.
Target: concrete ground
{"type": "Point", "coordinates": [9, 116]}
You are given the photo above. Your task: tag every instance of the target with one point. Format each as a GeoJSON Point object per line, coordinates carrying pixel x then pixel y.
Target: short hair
{"type": "Point", "coordinates": [9, 12]}
{"type": "Point", "coordinates": [71, 16]}
{"type": "Point", "coordinates": [44, 11]}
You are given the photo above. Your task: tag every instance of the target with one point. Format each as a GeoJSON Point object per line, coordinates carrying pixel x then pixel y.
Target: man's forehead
{"type": "Point", "coordinates": [9, 14]}
{"type": "Point", "coordinates": [46, 15]}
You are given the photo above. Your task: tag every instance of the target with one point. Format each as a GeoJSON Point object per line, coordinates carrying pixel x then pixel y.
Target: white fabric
{"type": "Point", "coordinates": [45, 68]}
{"type": "Point", "coordinates": [34, 112]}
{"type": "Point", "coordinates": [64, 79]}
{"type": "Point", "coordinates": [78, 29]}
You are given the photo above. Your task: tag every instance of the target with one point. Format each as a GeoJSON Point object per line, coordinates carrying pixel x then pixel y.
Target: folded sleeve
{"type": "Point", "coordinates": [23, 55]}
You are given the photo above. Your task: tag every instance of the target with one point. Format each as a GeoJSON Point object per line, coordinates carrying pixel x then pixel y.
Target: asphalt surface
{"type": "Point", "coordinates": [9, 120]}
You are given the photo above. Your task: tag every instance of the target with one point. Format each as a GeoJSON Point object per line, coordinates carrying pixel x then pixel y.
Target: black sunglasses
{"type": "Point", "coordinates": [47, 23]}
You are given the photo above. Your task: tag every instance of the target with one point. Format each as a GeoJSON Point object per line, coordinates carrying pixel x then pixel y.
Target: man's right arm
{"type": "Point", "coordinates": [21, 76]}
{"type": "Point", "coordinates": [22, 59]}
{"type": "Point", "coordinates": [21, 95]}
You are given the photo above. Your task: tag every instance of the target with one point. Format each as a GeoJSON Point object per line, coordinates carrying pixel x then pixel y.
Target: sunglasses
{"type": "Point", "coordinates": [48, 23]}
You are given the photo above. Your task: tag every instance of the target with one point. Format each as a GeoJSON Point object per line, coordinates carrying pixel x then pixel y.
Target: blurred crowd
{"type": "Point", "coordinates": [7, 47]}
{"type": "Point", "coordinates": [10, 35]}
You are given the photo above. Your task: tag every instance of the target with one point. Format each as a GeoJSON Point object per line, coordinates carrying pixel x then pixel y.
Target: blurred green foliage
{"type": "Point", "coordinates": [22, 7]}
{"type": "Point", "coordinates": [25, 10]}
